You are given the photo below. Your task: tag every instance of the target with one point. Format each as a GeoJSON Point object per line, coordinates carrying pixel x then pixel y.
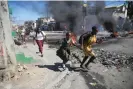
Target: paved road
{"type": "Point", "coordinates": [47, 76]}
{"type": "Point", "coordinates": [103, 77]}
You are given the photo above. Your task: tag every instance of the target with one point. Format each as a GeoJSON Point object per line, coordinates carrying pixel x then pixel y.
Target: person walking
{"type": "Point", "coordinates": [40, 36]}
{"type": "Point", "coordinates": [87, 47]}
{"type": "Point", "coordinates": [23, 35]}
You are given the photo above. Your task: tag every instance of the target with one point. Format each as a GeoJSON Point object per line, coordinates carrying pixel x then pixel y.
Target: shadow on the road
{"type": "Point", "coordinates": [51, 67]}
{"type": "Point", "coordinates": [55, 67]}
{"type": "Point", "coordinates": [53, 45]}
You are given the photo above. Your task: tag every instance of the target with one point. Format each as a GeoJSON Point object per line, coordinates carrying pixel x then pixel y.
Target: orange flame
{"type": "Point", "coordinates": [73, 37]}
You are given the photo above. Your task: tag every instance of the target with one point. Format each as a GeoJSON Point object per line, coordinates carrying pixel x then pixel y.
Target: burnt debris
{"type": "Point", "coordinates": [106, 58]}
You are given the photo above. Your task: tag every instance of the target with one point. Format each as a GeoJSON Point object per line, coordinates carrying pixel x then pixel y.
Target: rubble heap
{"type": "Point", "coordinates": [106, 58]}
{"type": "Point", "coordinates": [112, 58]}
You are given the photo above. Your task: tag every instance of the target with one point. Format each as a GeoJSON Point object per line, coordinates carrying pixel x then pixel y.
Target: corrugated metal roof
{"type": "Point", "coordinates": [107, 7]}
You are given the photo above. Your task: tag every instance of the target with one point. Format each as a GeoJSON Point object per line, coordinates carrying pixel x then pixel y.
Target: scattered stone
{"type": "Point", "coordinates": [28, 73]}
{"type": "Point", "coordinates": [17, 42]}
{"type": "Point", "coordinates": [25, 67]}
{"type": "Point", "coordinates": [20, 69]}
{"type": "Point", "coordinates": [108, 59]}
{"type": "Point", "coordinates": [16, 77]}
{"type": "Point", "coordinates": [105, 70]}
{"type": "Point", "coordinates": [93, 84]}
{"type": "Point", "coordinates": [105, 63]}
{"type": "Point", "coordinates": [94, 78]}
{"type": "Point", "coordinates": [113, 75]}
{"type": "Point", "coordinates": [18, 64]}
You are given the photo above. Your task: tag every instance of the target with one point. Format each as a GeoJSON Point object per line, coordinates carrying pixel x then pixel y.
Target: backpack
{"type": "Point", "coordinates": [84, 37]}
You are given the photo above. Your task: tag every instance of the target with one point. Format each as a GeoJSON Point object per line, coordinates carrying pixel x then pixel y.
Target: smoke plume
{"type": "Point", "coordinates": [67, 11]}
{"type": "Point", "coordinates": [107, 20]}
{"type": "Point", "coordinates": [71, 13]}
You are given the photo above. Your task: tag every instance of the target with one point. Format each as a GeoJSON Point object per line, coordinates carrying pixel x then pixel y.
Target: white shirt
{"type": "Point", "coordinates": [23, 32]}
{"type": "Point", "coordinates": [32, 34]}
{"type": "Point", "coordinates": [40, 36]}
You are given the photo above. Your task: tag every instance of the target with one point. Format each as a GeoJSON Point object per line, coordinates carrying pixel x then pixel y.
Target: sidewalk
{"type": "Point", "coordinates": [43, 74]}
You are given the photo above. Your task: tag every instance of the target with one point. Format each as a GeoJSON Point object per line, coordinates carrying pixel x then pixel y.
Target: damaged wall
{"type": "Point", "coordinates": [7, 57]}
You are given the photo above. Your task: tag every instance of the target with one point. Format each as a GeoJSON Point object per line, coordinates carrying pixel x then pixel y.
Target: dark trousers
{"type": "Point", "coordinates": [67, 54]}
{"type": "Point", "coordinates": [64, 54]}
{"type": "Point", "coordinates": [23, 38]}
{"type": "Point", "coordinates": [90, 60]}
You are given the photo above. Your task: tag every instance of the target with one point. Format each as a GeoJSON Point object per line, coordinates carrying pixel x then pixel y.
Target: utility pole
{"type": "Point", "coordinates": [84, 8]}
{"type": "Point", "coordinates": [47, 10]}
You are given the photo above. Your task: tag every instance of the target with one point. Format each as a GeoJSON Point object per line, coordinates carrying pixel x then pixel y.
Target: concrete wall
{"type": "Point", "coordinates": [6, 40]}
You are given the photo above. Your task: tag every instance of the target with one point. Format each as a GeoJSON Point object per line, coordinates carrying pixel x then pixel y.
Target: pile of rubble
{"type": "Point", "coordinates": [113, 59]}
{"type": "Point", "coordinates": [21, 68]}
{"type": "Point", "coordinates": [106, 58]}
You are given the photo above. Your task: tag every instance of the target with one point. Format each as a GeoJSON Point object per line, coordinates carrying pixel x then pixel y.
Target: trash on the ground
{"type": "Point", "coordinates": [20, 69]}
{"type": "Point", "coordinates": [25, 67]}
{"type": "Point", "coordinates": [94, 78]}
{"type": "Point", "coordinates": [16, 77]}
{"type": "Point", "coordinates": [93, 84]}
{"type": "Point", "coordinates": [113, 75]}
{"type": "Point", "coordinates": [108, 59]}
{"type": "Point", "coordinates": [28, 73]}
{"type": "Point", "coordinates": [18, 64]}
{"type": "Point", "coordinates": [17, 42]}
{"type": "Point", "coordinates": [105, 70]}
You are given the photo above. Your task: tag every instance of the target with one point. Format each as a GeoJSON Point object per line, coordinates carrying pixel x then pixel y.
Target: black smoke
{"type": "Point", "coordinates": [66, 11]}
{"type": "Point", "coordinates": [106, 19]}
{"type": "Point", "coordinates": [71, 12]}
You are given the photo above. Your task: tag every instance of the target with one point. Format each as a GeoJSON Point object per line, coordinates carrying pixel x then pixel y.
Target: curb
{"type": "Point", "coordinates": [57, 80]}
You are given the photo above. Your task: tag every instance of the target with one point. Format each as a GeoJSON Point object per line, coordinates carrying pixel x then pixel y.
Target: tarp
{"type": "Point", "coordinates": [21, 58]}
{"type": "Point", "coordinates": [14, 34]}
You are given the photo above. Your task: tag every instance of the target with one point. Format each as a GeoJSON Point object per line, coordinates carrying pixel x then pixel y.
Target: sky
{"type": "Point", "coordinates": [31, 10]}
